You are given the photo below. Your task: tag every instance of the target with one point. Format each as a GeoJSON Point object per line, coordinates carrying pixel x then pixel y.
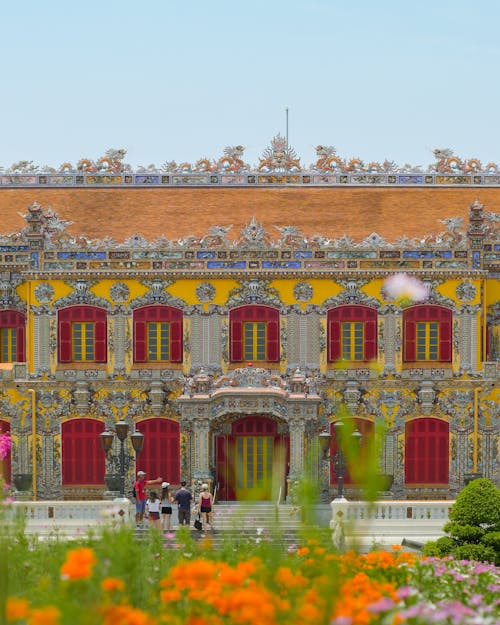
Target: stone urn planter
{"type": "Point", "coordinates": [22, 481]}
{"type": "Point", "coordinates": [112, 482]}
{"type": "Point", "coordinates": [470, 477]}
{"type": "Point", "coordinates": [384, 481]}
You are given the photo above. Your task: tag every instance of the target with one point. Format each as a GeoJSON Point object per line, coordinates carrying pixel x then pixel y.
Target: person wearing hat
{"type": "Point", "coordinates": [140, 494]}
{"type": "Point", "coordinates": [166, 507]}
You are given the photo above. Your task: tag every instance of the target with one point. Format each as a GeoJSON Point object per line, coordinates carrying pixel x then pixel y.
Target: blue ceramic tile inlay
{"type": "Point", "coordinates": [302, 254]}
{"type": "Point", "coordinates": [220, 264]}
{"type": "Point", "coordinates": [81, 255]}
{"type": "Point", "coordinates": [205, 254]}
{"type": "Point", "coordinates": [284, 264]}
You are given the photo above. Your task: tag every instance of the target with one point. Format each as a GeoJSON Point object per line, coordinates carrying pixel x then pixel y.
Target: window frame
{"type": "Point", "coordinates": [15, 321]}
{"type": "Point", "coordinates": [352, 313]}
{"type": "Point", "coordinates": [254, 313]}
{"type": "Point", "coordinates": [427, 313]}
{"type": "Point", "coordinates": [157, 314]}
{"type": "Point", "coordinates": [81, 314]}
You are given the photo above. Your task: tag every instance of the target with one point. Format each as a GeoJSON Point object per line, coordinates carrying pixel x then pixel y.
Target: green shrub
{"type": "Point", "coordinates": [439, 548]}
{"type": "Point", "coordinates": [480, 553]}
{"type": "Point", "coordinates": [474, 526]}
{"type": "Point", "coordinates": [478, 504]}
{"type": "Point", "coordinates": [464, 533]}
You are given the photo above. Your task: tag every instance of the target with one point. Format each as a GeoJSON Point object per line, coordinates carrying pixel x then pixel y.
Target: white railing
{"type": "Point", "coordinates": [390, 522]}
{"type": "Point", "coordinates": [48, 516]}
{"type": "Point", "coordinates": [393, 510]}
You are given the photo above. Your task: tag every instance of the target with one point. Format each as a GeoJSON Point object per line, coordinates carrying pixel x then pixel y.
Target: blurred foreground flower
{"type": "Point", "coordinates": [405, 289]}
{"type": "Point", "coordinates": [5, 445]}
{"type": "Point", "coordinates": [79, 563]}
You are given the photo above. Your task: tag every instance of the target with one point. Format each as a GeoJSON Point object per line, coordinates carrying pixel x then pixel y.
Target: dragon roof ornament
{"type": "Point", "coordinates": [45, 224]}
{"type": "Point", "coordinates": [278, 157]}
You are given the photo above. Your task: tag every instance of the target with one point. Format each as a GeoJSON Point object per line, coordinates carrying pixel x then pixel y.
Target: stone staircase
{"type": "Point", "coordinates": [240, 523]}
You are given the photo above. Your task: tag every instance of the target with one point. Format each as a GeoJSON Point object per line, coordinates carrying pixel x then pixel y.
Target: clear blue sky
{"type": "Point", "coordinates": [179, 80]}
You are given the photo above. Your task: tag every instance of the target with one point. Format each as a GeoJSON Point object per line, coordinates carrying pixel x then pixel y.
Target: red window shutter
{"type": "Point", "coordinates": [64, 338]}
{"type": "Point", "coordinates": [334, 352]}
{"type": "Point", "coordinates": [273, 335]}
{"type": "Point", "coordinates": [371, 339]}
{"type": "Point", "coordinates": [21, 342]}
{"type": "Point", "coordinates": [409, 339]}
{"type": "Point", "coordinates": [236, 339]}
{"type": "Point", "coordinates": [176, 340]}
{"type": "Point", "coordinates": [139, 340]}
{"type": "Point", "coordinates": [100, 341]}
{"type": "Point", "coordinates": [445, 335]}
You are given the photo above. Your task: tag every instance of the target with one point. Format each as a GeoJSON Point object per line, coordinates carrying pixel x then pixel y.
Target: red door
{"type": "Point", "coordinates": [83, 461]}
{"type": "Point", "coordinates": [160, 455]}
{"type": "Point", "coordinates": [251, 462]}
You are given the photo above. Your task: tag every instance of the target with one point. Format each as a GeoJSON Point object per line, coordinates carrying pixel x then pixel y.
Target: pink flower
{"type": "Point", "coordinates": [5, 445]}
{"type": "Point", "coordinates": [402, 287]}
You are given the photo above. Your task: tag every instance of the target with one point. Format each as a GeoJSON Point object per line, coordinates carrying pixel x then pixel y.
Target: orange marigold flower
{"type": "Point", "coordinates": [79, 563]}
{"type": "Point", "coordinates": [112, 584]}
{"type": "Point", "coordinates": [49, 615]}
{"type": "Point", "coordinates": [16, 609]}
{"type": "Point", "coordinates": [285, 577]}
{"type": "Point", "coordinates": [170, 595]}
{"type": "Point", "coordinates": [125, 615]}
{"type": "Point", "coordinates": [302, 551]}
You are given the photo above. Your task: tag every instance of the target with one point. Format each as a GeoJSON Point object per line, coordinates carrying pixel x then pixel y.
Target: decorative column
{"type": "Point", "coordinates": [390, 340]}
{"type": "Point", "coordinates": [201, 468]}
{"type": "Point", "coordinates": [206, 341]}
{"type": "Point", "coordinates": [297, 429]}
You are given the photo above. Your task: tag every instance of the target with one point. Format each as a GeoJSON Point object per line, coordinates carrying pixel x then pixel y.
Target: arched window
{"type": "Point", "coordinates": [160, 456]}
{"type": "Point", "coordinates": [254, 333]}
{"type": "Point", "coordinates": [12, 333]}
{"type": "Point", "coordinates": [5, 464]}
{"type": "Point", "coordinates": [367, 431]}
{"type": "Point", "coordinates": [82, 334]}
{"type": "Point", "coordinates": [352, 333]}
{"type": "Point", "coordinates": [427, 451]}
{"type": "Point", "coordinates": [83, 461]}
{"type": "Point", "coordinates": [158, 334]}
{"type": "Point", "coordinates": [427, 334]}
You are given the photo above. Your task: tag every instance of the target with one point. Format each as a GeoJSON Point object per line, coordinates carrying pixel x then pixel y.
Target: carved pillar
{"type": "Point", "coordinates": [201, 460]}
{"type": "Point", "coordinates": [41, 356]}
{"type": "Point", "coordinates": [120, 323]}
{"type": "Point", "coordinates": [297, 429]}
{"type": "Point", "coordinates": [206, 341]}
{"type": "Point", "coordinates": [390, 340]}
{"type": "Point", "coordinates": [474, 341]}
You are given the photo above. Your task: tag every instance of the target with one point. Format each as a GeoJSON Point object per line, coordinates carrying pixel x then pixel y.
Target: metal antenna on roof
{"type": "Point", "coordinates": [286, 112]}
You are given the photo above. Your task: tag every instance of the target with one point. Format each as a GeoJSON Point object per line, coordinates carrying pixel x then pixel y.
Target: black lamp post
{"type": "Point", "coordinates": [338, 459]}
{"type": "Point", "coordinates": [121, 431]}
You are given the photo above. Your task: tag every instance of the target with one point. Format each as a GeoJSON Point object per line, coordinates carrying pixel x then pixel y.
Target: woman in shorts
{"type": "Point", "coordinates": [205, 505]}
{"type": "Point", "coordinates": [153, 509]}
{"type": "Point", "coordinates": [166, 507]}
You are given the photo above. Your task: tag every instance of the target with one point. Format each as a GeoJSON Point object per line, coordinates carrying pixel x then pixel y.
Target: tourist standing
{"type": "Point", "coordinates": [153, 509]}
{"type": "Point", "coordinates": [183, 497]}
{"type": "Point", "coordinates": [166, 507]}
{"type": "Point", "coordinates": [140, 494]}
{"type": "Point", "coordinates": [205, 504]}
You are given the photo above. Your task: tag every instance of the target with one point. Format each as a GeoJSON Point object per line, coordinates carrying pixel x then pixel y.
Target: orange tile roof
{"type": "Point", "coordinates": [178, 212]}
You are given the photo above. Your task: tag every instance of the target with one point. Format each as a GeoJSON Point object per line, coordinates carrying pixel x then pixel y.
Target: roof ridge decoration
{"type": "Point", "coordinates": [45, 225]}
{"type": "Point", "coordinates": [277, 157]}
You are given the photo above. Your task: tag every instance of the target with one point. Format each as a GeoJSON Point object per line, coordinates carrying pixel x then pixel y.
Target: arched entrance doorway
{"type": "Point", "coordinates": [251, 461]}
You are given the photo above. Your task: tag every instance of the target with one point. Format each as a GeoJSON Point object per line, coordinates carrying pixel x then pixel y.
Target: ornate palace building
{"type": "Point", "coordinates": [233, 313]}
